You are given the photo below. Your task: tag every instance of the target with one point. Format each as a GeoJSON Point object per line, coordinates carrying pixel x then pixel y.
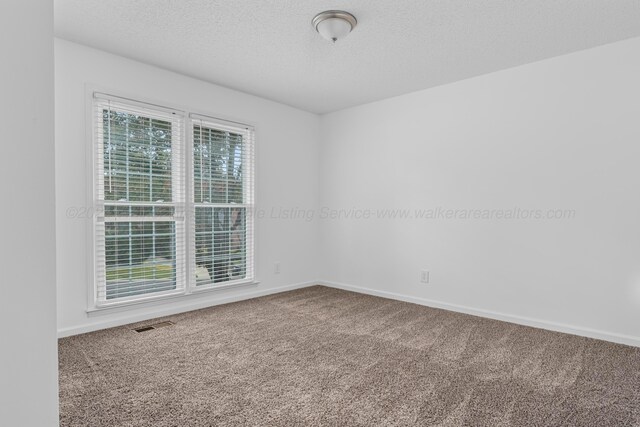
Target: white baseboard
{"type": "Point", "coordinates": [520, 320]}
{"type": "Point", "coordinates": [169, 309]}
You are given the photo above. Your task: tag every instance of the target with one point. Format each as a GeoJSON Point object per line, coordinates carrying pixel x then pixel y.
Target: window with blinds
{"type": "Point", "coordinates": [168, 223]}
{"type": "Point", "coordinates": [222, 201]}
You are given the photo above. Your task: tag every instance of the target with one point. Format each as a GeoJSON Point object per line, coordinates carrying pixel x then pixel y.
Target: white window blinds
{"type": "Point", "coordinates": [174, 200]}
{"type": "Point", "coordinates": [222, 202]}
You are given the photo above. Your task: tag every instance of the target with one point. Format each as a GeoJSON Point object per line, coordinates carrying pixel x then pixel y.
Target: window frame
{"type": "Point", "coordinates": [186, 117]}
{"type": "Point", "coordinates": [248, 133]}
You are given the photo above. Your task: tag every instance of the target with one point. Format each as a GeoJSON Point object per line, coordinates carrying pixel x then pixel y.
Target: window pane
{"type": "Point", "coordinates": [137, 157]}
{"type": "Point", "coordinates": [217, 166]}
{"type": "Point", "coordinates": [138, 211]}
{"type": "Point", "coordinates": [221, 251]}
{"type": "Point", "coordinates": [140, 258]}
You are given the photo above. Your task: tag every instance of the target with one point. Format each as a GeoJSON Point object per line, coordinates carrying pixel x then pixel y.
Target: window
{"type": "Point", "coordinates": [174, 197]}
{"type": "Point", "coordinates": [222, 196]}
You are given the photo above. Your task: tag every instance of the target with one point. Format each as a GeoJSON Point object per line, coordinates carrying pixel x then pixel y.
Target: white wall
{"type": "Point", "coordinates": [563, 133]}
{"type": "Point", "coordinates": [557, 134]}
{"type": "Point", "coordinates": [28, 347]}
{"type": "Point", "coordinates": [287, 177]}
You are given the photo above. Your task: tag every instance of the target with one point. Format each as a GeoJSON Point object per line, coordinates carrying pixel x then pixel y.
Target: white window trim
{"type": "Point", "coordinates": [190, 289]}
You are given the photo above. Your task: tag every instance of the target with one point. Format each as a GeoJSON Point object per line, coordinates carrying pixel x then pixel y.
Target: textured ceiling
{"type": "Point", "coordinates": [268, 47]}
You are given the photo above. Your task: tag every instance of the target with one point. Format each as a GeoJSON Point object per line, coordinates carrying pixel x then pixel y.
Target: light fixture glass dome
{"type": "Point", "coordinates": [334, 24]}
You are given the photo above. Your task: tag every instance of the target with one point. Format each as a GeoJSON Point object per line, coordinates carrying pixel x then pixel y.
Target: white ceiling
{"type": "Point", "coordinates": [268, 47]}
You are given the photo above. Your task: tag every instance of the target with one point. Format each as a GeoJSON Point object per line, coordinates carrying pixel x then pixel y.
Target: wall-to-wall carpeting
{"type": "Point", "coordinates": [321, 356]}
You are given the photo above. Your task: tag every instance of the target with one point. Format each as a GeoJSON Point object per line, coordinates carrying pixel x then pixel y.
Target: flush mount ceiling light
{"type": "Point", "coordinates": [334, 24]}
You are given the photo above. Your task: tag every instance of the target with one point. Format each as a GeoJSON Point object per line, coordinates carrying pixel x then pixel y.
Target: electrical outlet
{"type": "Point", "coordinates": [276, 268]}
{"type": "Point", "coordinates": [424, 276]}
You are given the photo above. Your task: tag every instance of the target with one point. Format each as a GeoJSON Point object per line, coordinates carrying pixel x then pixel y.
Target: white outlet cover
{"type": "Point", "coordinates": [424, 276]}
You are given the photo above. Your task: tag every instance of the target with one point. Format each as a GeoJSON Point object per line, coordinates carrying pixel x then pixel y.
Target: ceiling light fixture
{"type": "Point", "coordinates": [334, 24]}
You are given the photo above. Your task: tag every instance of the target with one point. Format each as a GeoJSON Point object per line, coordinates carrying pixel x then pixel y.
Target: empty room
{"type": "Point", "coordinates": [320, 213]}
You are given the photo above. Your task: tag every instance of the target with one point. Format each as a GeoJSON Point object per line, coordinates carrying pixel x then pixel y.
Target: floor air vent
{"type": "Point", "coordinates": [155, 326]}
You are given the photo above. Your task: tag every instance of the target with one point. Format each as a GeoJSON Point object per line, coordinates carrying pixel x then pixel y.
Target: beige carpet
{"type": "Point", "coordinates": [320, 356]}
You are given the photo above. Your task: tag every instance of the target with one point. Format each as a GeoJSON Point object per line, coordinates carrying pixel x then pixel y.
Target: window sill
{"type": "Point", "coordinates": [151, 301]}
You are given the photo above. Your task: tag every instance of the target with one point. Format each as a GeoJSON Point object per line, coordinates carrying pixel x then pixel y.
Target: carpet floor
{"type": "Point", "coordinates": [321, 356]}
